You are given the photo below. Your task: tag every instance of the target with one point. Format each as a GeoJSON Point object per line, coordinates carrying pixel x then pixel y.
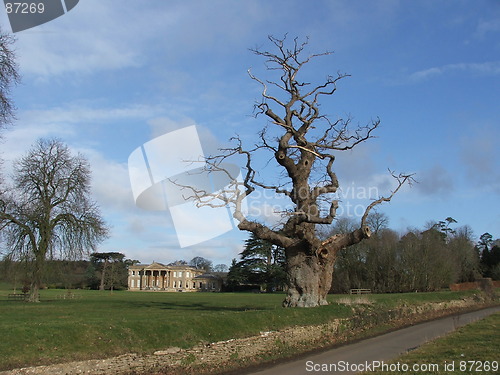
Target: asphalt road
{"type": "Point", "coordinates": [375, 350]}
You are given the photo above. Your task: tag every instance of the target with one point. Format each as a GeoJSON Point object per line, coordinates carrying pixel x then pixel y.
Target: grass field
{"type": "Point", "coordinates": [103, 324]}
{"type": "Point", "coordinates": [472, 349]}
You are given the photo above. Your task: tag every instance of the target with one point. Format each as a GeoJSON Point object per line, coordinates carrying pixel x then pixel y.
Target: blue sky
{"type": "Point", "coordinates": [111, 75]}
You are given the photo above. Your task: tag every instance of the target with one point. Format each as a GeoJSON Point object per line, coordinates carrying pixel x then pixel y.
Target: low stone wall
{"type": "Point", "coordinates": [485, 284]}
{"type": "Point", "coordinates": [464, 286]}
{"type": "Point", "coordinates": [216, 357]}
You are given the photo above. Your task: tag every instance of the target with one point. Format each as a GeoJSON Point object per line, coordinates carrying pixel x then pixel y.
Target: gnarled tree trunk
{"type": "Point", "coordinates": [310, 267]}
{"type": "Point", "coordinates": [309, 278]}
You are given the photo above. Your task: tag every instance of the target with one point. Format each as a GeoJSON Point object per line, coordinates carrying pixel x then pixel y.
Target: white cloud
{"type": "Point", "coordinates": [89, 38]}
{"type": "Point", "coordinates": [63, 122]}
{"type": "Point", "coordinates": [479, 154]}
{"type": "Point", "coordinates": [111, 35]}
{"type": "Point", "coordinates": [84, 114]}
{"type": "Point", "coordinates": [269, 210]}
{"type": "Point", "coordinates": [20, 138]}
{"type": "Point", "coordinates": [110, 182]}
{"type": "Point", "coordinates": [488, 26]}
{"type": "Point", "coordinates": [160, 244]}
{"type": "Point", "coordinates": [356, 165]}
{"type": "Point", "coordinates": [162, 125]}
{"type": "Point", "coordinates": [434, 181]}
{"type": "Point", "coordinates": [485, 68]}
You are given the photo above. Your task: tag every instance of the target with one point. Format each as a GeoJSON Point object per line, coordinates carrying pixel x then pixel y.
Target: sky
{"type": "Point", "coordinates": [110, 76]}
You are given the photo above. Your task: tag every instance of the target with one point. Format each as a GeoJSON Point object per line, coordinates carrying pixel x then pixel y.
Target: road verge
{"type": "Point", "coordinates": [234, 355]}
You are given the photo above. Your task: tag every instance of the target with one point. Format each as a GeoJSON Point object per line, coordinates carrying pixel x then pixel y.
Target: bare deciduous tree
{"type": "Point", "coordinates": [8, 77]}
{"type": "Point", "coordinates": [48, 212]}
{"type": "Point", "coordinates": [302, 142]}
{"type": "Point", "coordinates": [201, 264]}
{"type": "Point", "coordinates": [377, 221]}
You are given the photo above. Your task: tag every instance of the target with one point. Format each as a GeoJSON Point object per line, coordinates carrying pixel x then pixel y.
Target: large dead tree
{"type": "Point", "coordinates": [302, 142]}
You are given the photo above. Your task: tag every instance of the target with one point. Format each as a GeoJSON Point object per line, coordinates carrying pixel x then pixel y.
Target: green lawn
{"type": "Point", "coordinates": [101, 324]}
{"type": "Point", "coordinates": [472, 349]}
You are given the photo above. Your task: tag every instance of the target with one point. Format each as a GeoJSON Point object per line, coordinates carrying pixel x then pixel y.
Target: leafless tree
{"type": "Point", "coordinates": [48, 212]}
{"type": "Point", "coordinates": [201, 264]}
{"type": "Point", "coordinates": [301, 142]}
{"type": "Point", "coordinates": [377, 221]}
{"type": "Point", "coordinates": [8, 77]}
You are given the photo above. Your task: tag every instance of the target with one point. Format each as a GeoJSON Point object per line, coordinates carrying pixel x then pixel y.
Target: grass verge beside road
{"type": "Point", "coordinates": [102, 324]}
{"type": "Point", "coordinates": [474, 348]}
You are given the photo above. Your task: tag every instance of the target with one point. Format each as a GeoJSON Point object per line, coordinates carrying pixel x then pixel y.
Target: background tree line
{"type": "Point", "coordinates": [201, 264]}
{"type": "Point", "coordinates": [102, 271]}
{"type": "Point", "coordinates": [417, 260]}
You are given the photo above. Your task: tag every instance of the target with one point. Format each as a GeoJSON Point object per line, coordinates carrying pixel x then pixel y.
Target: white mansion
{"type": "Point", "coordinates": [171, 278]}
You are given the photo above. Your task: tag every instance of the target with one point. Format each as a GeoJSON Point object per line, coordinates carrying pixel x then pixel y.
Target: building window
{"type": "Point", "coordinates": [180, 284]}
{"type": "Point", "coordinates": [180, 273]}
{"type": "Point", "coordinates": [175, 273]}
{"type": "Point", "coordinates": [201, 285]}
{"type": "Point", "coordinates": [194, 284]}
{"type": "Point", "coordinates": [175, 284]}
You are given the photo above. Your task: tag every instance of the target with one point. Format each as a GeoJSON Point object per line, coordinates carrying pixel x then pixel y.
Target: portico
{"type": "Point", "coordinates": [171, 278]}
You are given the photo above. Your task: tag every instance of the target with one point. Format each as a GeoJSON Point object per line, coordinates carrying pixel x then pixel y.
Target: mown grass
{"type": "Point", "coordinates": [474, 348]}
{"type": "Point", "coordinates": [103, 324]}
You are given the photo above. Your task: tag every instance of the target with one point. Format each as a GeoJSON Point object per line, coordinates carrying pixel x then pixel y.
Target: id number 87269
{"type": "Point", "coordinates": [24, 8]}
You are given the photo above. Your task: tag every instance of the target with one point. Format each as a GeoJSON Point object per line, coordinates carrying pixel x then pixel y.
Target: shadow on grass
{"type": "Point", "coordinates": [198, 306]}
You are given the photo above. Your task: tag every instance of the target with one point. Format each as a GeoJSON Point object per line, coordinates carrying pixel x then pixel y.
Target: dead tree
{"type": "Point", "coordinates": [302, 142]}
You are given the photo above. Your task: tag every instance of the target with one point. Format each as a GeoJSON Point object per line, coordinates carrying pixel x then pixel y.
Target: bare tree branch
{"type": "Point", "coordinates": [401, 180]}
{"type": "Point", "coordinates": [9, 77]}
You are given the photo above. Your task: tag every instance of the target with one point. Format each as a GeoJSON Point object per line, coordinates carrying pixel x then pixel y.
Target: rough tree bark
{"type": "Point", "coordinates": [303, 143]}
{"type": "Point", "coordinates": [310, 269]}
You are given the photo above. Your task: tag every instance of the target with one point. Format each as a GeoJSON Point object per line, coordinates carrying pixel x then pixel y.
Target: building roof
{"type": "Point", "coordinates": [207, 276]}
{"type": "Point", "coordinates": [161, 266]}
{"type": "Point", "coordinates": [154, 265]}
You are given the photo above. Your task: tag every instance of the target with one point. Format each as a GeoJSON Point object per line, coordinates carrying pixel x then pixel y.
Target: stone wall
{"type": "Point", "coordinates": [485, 284]}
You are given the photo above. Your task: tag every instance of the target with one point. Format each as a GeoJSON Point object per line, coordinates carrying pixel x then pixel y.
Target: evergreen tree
{"type": "Point", "coordinates": [261, 263]}
{"type": "Point", "coordinates": [235, 276]}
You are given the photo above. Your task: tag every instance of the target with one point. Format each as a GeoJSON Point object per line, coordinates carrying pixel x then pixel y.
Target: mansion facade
{"type": "Point", "coordinates": [171, 278]}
